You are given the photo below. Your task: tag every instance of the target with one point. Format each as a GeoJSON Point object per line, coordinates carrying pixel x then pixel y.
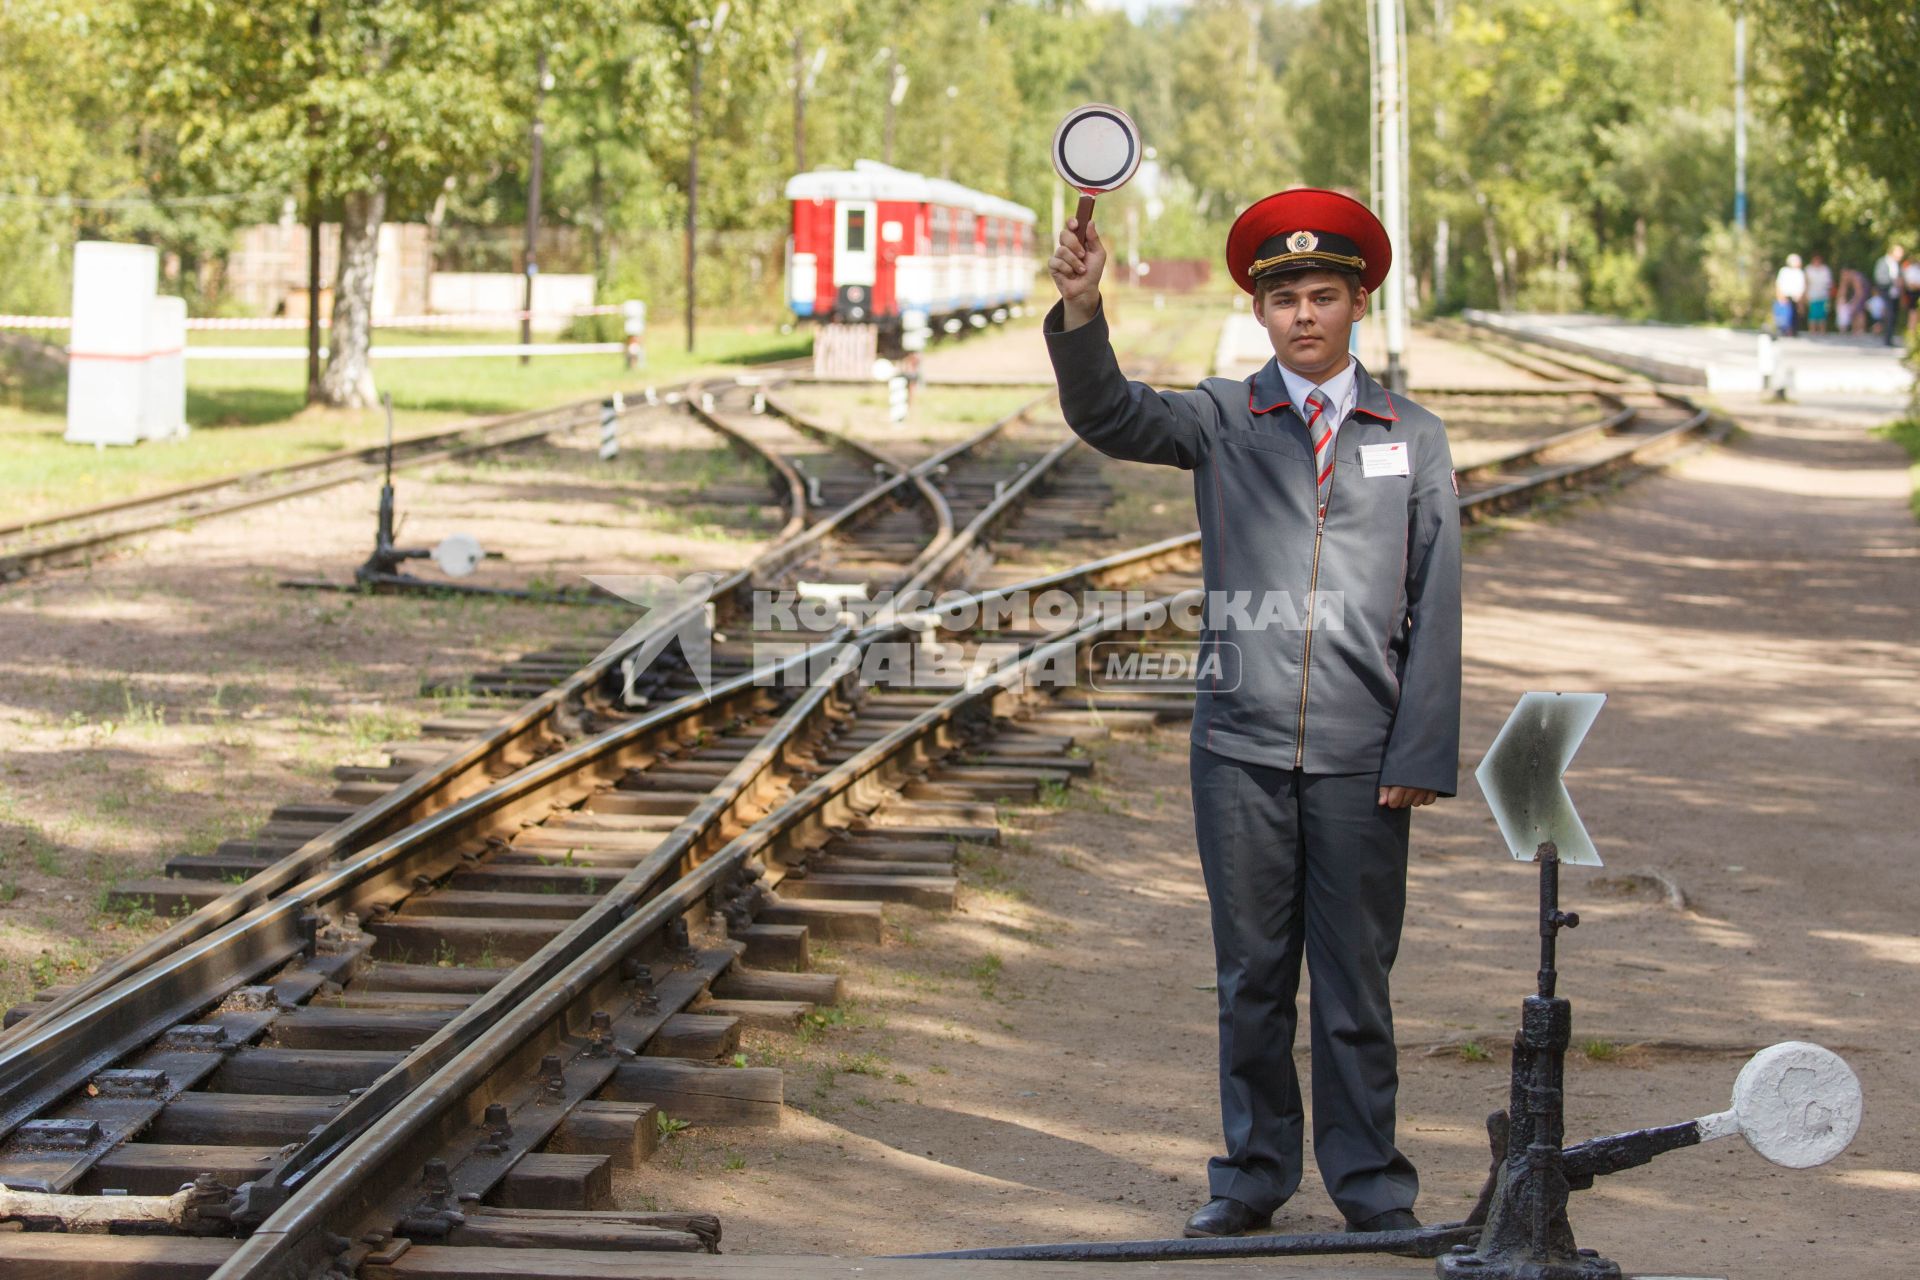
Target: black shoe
{"type": "Point", "coordinates": [1225, 1216]}
{"type": "Point", "coordinates": [1391, 1220]}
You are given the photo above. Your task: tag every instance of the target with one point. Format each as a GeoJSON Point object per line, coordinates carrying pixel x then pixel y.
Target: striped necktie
{"type": "Point", "coordinates": [1322, 435]}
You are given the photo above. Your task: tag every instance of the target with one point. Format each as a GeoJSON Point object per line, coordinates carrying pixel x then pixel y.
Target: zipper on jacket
{"type": "Point", "coordinates": [1313, 586]}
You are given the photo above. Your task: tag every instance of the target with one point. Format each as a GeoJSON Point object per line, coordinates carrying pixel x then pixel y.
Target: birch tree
{"type": "Point", "coordinates": [375, 105]}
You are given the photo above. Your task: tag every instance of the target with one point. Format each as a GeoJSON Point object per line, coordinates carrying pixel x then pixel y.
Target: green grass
{"type": "Point", "coordinates": [1598, 1050]}
{"type": "Point", "coordinates": [249, 414]}
{"type": "Point", "coordinates": [1906, 434]}
{"type": "Point", "coordinates": [986, 972]}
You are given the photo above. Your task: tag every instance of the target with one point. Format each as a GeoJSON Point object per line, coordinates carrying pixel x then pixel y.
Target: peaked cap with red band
{"type": "Point", "coordinates": [1305, 228]}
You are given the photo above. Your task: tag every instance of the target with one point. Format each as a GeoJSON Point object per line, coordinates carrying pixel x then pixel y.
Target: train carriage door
{"type": "Point", "coordinates": [854, 237]}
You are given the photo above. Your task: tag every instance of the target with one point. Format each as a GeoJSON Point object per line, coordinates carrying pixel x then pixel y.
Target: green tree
{"type": "Point", "coordinates": [64, 147]}
{"type": "Point", "coordinates": [380, 108]}
{"type": "Point", "coordinates": [1230, 136]}
{"type": "Point", "coordinates": [1844, 74]}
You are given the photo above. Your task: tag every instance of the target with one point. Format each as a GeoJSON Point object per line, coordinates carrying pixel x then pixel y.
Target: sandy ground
{"type": "Point", "coordinates": [1039, 1064]}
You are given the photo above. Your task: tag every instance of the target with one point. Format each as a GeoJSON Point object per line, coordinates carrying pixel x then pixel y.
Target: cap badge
{"type": "Point", "coordinates": [1303, 242]}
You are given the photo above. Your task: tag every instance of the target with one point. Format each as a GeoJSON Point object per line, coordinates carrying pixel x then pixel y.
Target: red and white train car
{"type": "Point", "coordinates": [882, 246]}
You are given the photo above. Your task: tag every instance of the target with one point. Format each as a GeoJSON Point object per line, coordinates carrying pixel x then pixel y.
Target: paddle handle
{"type": "Point", "coordinates": [1084, 215]}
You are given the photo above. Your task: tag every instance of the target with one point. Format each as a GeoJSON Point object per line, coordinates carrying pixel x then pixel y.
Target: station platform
{"type": "Point", "coordinates": [1719, 359]}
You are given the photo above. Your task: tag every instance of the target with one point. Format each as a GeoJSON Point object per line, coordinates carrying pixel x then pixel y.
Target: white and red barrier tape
{"type": "Point", "coordinates": [449, 321]}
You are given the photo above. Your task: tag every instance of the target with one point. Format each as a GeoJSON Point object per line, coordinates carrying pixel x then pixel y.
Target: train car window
{"type": "Point", "coordinates": [940, 230]}
{"type": "Point", "coordinates": [856, 231]}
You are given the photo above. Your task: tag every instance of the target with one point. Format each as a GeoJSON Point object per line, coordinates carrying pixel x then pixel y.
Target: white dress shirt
{"type": "Point", "coordinates": [1339, 391]}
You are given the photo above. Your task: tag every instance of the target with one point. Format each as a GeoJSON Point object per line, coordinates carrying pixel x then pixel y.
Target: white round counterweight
{"type": "Point", "coordinates": [458, 554]}
{"type": "Point", "coordinates": [1797, 1104]}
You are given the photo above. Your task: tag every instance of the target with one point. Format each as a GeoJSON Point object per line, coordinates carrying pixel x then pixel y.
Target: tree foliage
{"type": "Point", "coordinates": [1845, 76]}
{"type": "Point", "coordinates": [1565, 153]}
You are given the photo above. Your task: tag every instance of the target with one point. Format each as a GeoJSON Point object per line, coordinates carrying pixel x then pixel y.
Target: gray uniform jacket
{"type": "Point", "coordinates": [1338, 648]}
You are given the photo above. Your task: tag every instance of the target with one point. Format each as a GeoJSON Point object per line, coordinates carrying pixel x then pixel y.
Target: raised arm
{"type": "Point", "coordinates": [1122, 419]}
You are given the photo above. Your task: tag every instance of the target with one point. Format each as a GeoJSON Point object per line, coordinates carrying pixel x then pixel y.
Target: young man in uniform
{"type": "Point", "coordinates": [1330, 532]}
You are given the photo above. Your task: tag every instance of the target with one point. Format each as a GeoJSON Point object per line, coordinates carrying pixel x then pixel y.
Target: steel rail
{"type": "Point", "coordinates": [1531, 350]}
{"type": "Point", "coordinates": [457, 773]}
{"type": "Point", "coordinates": [371, 455]}
{"type": "Point", "coordinates": [1503, 497]}
{"type": "Point", "coordinates": [527, 730]}
{"type": "Point", "coordinates": [684, 843]}
{"type": "Point", "coordinates": [40, 1066]}
{"type": "Point", "coordinates": [304, 1232]}
{"type": "Point", "coordinates": [415, 451]}
{"type": "Point", "coordinates": [274, 933]}
{"type": "Point", "coordinates": [781, 560]}
{"type": "Point", "coordinates": [1573, 438]}
{"type": "Point", "coordinates": [41, 1063]}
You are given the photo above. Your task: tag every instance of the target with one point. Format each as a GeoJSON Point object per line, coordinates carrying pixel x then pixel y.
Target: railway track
{"type": "Point", "coordinates": [412, 1046]}
{"type": "Point", "coordinates": [30, 546]}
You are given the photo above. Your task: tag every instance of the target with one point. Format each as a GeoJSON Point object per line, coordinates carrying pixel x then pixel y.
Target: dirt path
{"type": "Point", "coordinates": [1039, 1064]}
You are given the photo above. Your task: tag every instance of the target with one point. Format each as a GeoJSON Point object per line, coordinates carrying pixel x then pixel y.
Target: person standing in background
{"type": "Point", "coordinates": [1909, 292]}
{"type": "Point", "coordinates": [1789, 293]}
{"type": "Point", "coordinates": [1819, 294]}
{"type": "Point", "coordinates": [1850, 302]}
{"type": "Point", "coordinates": [1889, 288]}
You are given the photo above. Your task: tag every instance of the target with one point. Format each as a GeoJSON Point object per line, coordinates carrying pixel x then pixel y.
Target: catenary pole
{"type": "Point", "coordinates": [313, 221]}
{"type": "Point", "coordinates": [693, 185]}
{"type": "Point", "coordinates": [537, 136]}
{"type": "Point", "coordinates": [1390, 135]}
{"type": "Point", "coordinates": [799, 105]}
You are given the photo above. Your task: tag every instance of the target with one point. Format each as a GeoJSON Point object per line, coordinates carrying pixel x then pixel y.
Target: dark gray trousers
{"type": "Point", "coordinates": [1297, 862]}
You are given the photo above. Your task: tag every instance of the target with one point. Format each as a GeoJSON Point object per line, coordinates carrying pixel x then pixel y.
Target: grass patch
{"type": "Point", "coordinates": [250, 414]}
{"type": "Point", "coordinates": [869, 1063]}
{"type": "Point", "coordinates": [990, 875]}
{"type": "Point", "coordinates": [1474, 1051]}
{"type": "Point", "coordinates": [368, 729]}
{"type": "Point", "coordinates": [22, 837]}
{"type": "Point", "coordinates": [986, 972]}
{"type": "Point", "coordinates": [1601, 1050]}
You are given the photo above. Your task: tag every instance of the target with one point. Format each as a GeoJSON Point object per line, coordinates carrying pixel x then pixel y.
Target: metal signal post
{"type": "Point", "coordinates": [1526, 1235]}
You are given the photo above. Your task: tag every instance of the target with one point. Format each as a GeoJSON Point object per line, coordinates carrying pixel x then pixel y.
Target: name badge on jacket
{"type": "Point", "coordinates": [1385, 459]}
